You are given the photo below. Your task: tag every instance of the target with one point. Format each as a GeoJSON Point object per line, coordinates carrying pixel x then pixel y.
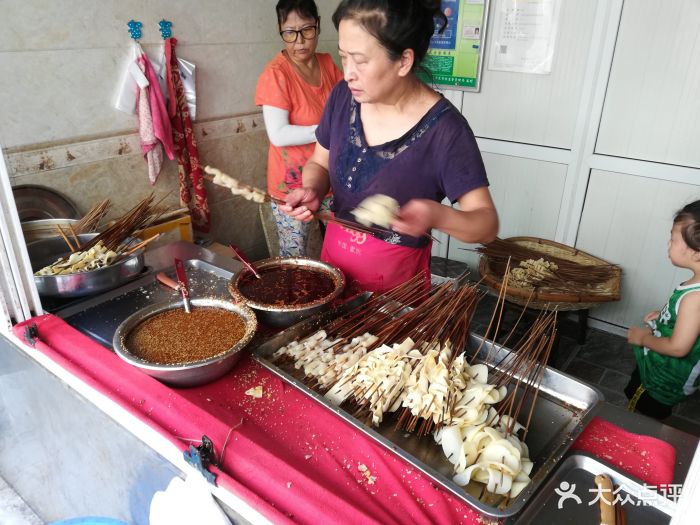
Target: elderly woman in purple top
{"type": "Point", "coordinates": [384, 131]}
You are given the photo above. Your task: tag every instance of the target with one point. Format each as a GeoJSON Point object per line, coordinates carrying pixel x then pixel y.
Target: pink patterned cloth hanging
{"type": "Point", "coordinates": [152, 148]}
{"type": "Point", "coordinates": [193, 193]}
{"type": "Point", "coordinates": [159, 113]}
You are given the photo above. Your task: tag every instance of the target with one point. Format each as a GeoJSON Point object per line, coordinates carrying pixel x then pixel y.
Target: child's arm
{"type": "Point", "coordinates": [685, 332]}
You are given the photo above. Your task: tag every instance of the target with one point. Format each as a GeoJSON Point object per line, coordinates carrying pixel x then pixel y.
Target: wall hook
{"type": "Point", "coordinates": [165, 28]}
{"type": "Point", "coordinates": [135, 29]}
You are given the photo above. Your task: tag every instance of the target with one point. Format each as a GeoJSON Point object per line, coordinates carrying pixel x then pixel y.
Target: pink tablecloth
{"type": "Point", "coordinates": [289, 457]}
{"type": "Point", "coordinates": [644, 457]}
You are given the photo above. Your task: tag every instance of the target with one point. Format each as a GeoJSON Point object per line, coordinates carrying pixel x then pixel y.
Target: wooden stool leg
{"type": "Point", "coordinates": [582, 326]}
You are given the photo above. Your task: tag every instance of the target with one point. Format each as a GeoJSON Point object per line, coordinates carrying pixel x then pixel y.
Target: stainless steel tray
{"type": "Point", "coordinates": [564, 407]}
{"type": "Point", "coordinates": [579, 471]}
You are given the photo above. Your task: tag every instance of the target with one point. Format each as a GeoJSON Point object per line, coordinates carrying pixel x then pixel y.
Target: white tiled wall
{"type": "Point", "coordinates": [61, 62]}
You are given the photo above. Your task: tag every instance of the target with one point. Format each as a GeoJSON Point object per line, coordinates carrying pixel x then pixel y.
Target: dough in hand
{"type": "Point", "coordinates": [377, 209]}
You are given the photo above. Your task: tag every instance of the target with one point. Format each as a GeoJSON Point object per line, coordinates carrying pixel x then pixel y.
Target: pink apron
{"type": "Point", "coordinates": [371, 264]}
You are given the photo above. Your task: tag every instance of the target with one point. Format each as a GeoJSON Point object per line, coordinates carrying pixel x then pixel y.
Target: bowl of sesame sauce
{"type": "Point", "coordinates": [289, 289]}
{"type": "Point", "coordinates": [186, 349]}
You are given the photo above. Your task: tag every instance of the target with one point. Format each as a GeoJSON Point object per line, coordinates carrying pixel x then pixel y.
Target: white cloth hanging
{"type": "Point", "coordinates": [187, 74]}
{"type": "Point", "coordinates": [133, 80]}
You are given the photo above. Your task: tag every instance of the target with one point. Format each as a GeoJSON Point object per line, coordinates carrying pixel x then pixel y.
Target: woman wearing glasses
{"type": "Point", "coordinates": [384, 131]}
{"type": "Point", "coordinates": [292, 91]}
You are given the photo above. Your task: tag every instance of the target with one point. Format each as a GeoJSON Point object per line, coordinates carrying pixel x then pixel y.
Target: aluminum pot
{"type": "Point", "coordinates": [194, 373]}
{"type": "Point", "coordinates": [46, 251]}
{"type": "Point", "coordinates": [283, 316]}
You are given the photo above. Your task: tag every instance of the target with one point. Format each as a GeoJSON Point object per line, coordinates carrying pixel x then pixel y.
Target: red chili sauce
{"type": "Point", "coordinates": [286, 285]}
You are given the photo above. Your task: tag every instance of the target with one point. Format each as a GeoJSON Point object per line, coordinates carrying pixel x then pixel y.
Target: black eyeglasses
{"type": "Point", "coordinates": [307, 33]}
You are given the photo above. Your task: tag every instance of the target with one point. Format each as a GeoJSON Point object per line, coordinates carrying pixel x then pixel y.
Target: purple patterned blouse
{"type": "Point", "coordinates": [437, 158]}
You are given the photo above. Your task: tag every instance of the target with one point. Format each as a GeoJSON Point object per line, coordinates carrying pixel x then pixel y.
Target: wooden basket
{"type": "Point", "coordinates": [542, 299]}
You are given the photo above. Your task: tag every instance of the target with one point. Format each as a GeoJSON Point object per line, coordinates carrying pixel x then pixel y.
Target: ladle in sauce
{"type": "Point", "coordinates": [244, 260]}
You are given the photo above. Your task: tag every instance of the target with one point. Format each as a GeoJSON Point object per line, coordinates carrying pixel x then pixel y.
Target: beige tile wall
{"type": "Point", "coordinates": [62, 63]}
{"type": "Point", "coordinates": [113, 167]}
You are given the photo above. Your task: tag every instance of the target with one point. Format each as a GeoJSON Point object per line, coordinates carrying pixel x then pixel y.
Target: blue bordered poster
{"type": "Point", "coordinates": [454, 58]}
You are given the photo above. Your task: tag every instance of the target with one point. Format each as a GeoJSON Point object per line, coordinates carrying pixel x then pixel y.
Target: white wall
{"type": "Point", "coordinates": [537, 109]}
{"type": "Point", "coordinates": [652, 107]}
{"type": "Point", "coordinates": [628, 218]}
{"type": "Point", "coordinates": [61, 61]}
{"type": "Point", "coordinates": [601, 152]}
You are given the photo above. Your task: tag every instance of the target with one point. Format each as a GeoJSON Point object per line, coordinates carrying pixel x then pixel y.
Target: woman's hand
{"type": "Point", "coordinates": [415, 218]}
{"type": "Point", "coordinates": [302, 203]}
{"type": "Point", "coordinates": [476, 219]}
{"type": "Point", "coordinates": [635, 334]}
{"type": "Point", "coordinates": [652, 316]}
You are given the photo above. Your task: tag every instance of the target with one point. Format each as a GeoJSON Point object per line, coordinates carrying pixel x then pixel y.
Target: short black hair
{"type": "Point", "coordinates": [305, 9]}
{"type": "Point", "coordinates": [689, 216]}
{"type": "Point", "coordinates": [397, 24]}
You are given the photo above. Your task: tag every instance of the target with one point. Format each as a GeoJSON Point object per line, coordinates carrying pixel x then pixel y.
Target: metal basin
{"type": "Point", "coordinates": [45, 228]}
{"type": "Point", "coordinates": [196, 372]}
{"type": "Point", "coordinates": [46, 251]}
{"type": "Point", "coordinates": [287, 315]}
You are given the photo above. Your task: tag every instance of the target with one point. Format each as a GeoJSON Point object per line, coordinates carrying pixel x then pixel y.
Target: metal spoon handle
{"type": "Point", "coordinates": [244, 260]}
{"type": "Point", "coordinates": [182, 284]}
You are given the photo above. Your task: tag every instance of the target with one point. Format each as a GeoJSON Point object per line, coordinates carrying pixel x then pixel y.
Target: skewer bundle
{"type": "Point", "coordinates": [320, 359]}
{"type": "Point", "coordinates": [110, 246]}
{"type": "Point", "coordinates": [412, 364]}
{"type": "Point", "coordinates": [535, 269]}
{"type": "Point", "coordinates": [91, 220]}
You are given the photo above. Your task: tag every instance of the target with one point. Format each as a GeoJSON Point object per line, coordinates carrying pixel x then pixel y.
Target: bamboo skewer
{"type": "Point", "coordinates": [569, 277]}
{"type": "Point", "coordinates": [319, 215]}
{"type": "Point", "coordinates": [114, 237]}
{"type": "Point", "coordinates": [140, 245]}
{"type": "Point", "coordinates": [75, 237]}
{"type": "Point", "coordinates": [91, 219]}
{"type": "Point", "coordinates": [65, 238]}
{"type": "Point", "coordinates": [442, 317]}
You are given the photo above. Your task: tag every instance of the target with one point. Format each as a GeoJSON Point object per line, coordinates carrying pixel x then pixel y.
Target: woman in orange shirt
{"type": "Point", "coordinates": [292, 91]}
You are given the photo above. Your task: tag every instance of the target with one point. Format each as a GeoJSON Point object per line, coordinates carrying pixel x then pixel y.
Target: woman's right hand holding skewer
{"type": "Point", "coordinates": [301, 204]}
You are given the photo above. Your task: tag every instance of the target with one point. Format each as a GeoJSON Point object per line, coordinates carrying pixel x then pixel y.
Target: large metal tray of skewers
{"type": "Point", "coordinates": [488, 424]}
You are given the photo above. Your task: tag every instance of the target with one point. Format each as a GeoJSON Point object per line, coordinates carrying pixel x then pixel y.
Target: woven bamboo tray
{"type": "Point", "coordinates": [541, 298]}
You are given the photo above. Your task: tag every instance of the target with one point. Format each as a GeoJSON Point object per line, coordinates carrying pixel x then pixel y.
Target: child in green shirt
{"type": "Point", "coordinates": [668, 349]}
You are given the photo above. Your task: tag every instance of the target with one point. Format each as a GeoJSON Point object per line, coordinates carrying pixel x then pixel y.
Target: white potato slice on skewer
{"type": "Point", "coordinates": [377, 209]}
{"type": "Point", "coordinates": [247, 192]}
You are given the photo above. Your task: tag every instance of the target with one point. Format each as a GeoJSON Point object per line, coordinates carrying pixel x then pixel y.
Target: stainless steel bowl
{"type": "Point", "coordinates": [45, 228]}
{"type": "Point", "coordinates": [47, 251]}
{"type": "Point", "coordinates": [196, 372]}
{"type": "Point", "coordinates": [283, 316]}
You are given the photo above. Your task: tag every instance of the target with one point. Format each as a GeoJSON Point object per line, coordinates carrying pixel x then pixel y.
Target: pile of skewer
{"type": "Point", "coordinates": [386, 359]}
{"type": "Point", "coordinates": [113, 244]}
{"type": "Point", "coordinates": [557, 274]}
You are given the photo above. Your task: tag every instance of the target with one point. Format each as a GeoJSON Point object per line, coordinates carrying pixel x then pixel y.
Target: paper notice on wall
{"type": "Point", "coordinates": [524, 35]}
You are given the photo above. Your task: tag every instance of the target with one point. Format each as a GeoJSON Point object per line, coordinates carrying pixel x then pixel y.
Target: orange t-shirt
{"type": "Point", "coordinates": [280, 86]}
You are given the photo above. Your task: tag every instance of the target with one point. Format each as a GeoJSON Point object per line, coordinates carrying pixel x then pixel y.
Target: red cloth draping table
{"type": "Point", "coordinates": [286, 455]}
{"type": "Point", "coordinates": [644, 457]}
